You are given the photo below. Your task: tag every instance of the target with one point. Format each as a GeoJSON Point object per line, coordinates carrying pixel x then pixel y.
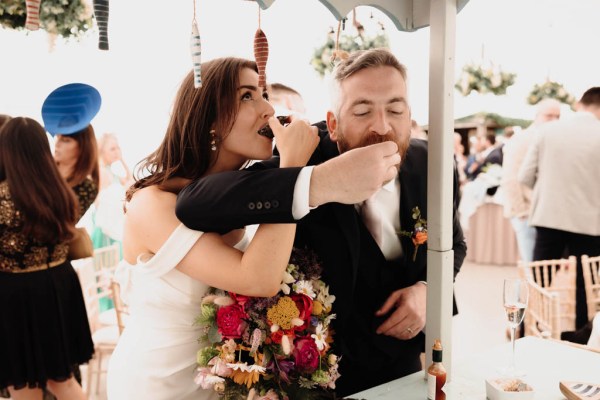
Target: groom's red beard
{"type": "Point", "coordinates": [374, 138]}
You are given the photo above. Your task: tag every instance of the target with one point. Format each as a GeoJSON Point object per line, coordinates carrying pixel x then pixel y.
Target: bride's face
{"type": "Point", "coordinates": [244, 143]}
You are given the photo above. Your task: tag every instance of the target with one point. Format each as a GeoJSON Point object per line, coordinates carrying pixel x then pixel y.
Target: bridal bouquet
{"type": "Point", "coordinates": [271, 348]}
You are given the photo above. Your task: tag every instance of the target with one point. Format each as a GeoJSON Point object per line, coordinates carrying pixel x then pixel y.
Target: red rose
{"type": "Point", "coordinates": [305, 306]}
{"type": "Point", "coordinates": [306, 355]}
{"type": "Point", "coordinates": [230, 321]}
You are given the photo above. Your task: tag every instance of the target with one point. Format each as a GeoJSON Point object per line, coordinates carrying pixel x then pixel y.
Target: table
{"type": "Point", "coordinates": [490, 237]}
{"type": "Point", "coordinates": [545, 361]}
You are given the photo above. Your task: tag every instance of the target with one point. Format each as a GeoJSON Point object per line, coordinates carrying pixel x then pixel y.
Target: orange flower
{"type": "Point", "coordinates": [419, 237]}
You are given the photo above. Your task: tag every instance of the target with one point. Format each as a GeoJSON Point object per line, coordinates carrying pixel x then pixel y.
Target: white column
{"type": "Point", "coordinates": [440, 179]}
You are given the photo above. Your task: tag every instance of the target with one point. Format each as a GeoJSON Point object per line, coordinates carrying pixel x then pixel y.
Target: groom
{"type": "Point", "coordinates": [379, 279]}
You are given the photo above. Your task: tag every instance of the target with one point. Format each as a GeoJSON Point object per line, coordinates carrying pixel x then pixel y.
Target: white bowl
{"type": "Point", "coordinates": [494, 390]}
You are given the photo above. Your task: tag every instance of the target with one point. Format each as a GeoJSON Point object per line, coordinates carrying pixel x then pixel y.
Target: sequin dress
{"type": "Point", "coordinates": [44, 330]}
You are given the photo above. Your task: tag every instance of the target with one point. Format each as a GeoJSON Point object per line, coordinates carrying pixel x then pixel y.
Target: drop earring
{"type": "Point", "coordinates": [213, 141]}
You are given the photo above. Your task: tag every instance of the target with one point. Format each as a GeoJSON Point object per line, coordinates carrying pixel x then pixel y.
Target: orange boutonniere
{"type": "Point", "coordinates": [419, 234]}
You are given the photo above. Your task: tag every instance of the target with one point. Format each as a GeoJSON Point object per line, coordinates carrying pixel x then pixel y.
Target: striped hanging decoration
{"type": "Point", "coordinates": [196, 50]}
{"type": "Point", "coordinates": [101, 13]}
{"type": "Point", "coordinates": [32, 22]}
{"type": "Point", "coordinates": [261, 53]}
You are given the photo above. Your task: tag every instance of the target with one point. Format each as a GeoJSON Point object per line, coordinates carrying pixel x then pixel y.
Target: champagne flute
{"type": "Point", "coordinates": [516, 296]}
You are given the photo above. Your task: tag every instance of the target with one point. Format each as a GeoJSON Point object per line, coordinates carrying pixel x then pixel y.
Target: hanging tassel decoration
{"type": "Point", "coordinates": [337, 53]}
{"type": "Point", "coordinates": [196, 50]}
{"type": "Point", "coordinates": [101, 14]}
{"type": "Point", "coordinates": [261, 54]}
{"type": "Point", "coordinates": [32, 22]}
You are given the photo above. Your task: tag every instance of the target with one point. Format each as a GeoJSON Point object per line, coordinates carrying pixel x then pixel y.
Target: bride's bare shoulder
{"type": "Point", "coordinates": [150, 201]}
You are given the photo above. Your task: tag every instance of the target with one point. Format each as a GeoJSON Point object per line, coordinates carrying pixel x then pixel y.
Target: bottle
{"type": "Point", "coordinates": [436, 374]}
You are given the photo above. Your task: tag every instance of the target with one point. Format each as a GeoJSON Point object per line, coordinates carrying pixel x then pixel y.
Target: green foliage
{"type": "Point", "coordinates": [322, 62]}
{"type": "Point", "coordinates": [66, 18]}
{"type": "Point", "coordinates": [550, 89]}
{"type": "Point", "coordinates": [482, 79]}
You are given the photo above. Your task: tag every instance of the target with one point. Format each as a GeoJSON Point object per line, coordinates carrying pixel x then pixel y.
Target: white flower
{"type": "Point", "coordinates": [304, 287]}
{"type": "Point", "coordinates": [244, 367]}
{"type": "Point", "coordinates": [207, 380]}
{"type": "Point", "coordinates": [325, 298]}
{"type": "Point", "coordinates": [319, 336]}
{"type": "Point", "coordinates": [286, 345]}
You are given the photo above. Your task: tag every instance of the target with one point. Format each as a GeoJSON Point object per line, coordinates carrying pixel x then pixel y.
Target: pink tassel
{"type": "Point", "coordinates": [261, 54]}
{"type": "Point", "coordinates": [32, 21]}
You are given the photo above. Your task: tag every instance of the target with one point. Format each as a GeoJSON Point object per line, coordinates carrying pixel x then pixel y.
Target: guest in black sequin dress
{"type": "Point", "coordinates": [44, 331]}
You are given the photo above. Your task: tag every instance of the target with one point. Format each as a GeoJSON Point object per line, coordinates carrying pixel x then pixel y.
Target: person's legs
{"type": "Point", "coordinates": [579, 245]}
{"type": "Point", "coordinates": [549, 244]}
{"type": "Point", "coordinates": [525, 236]}
{"type": "Point", "coordinates": [67, 390]}
{"type": "Point", "coordinates": [25, 393]}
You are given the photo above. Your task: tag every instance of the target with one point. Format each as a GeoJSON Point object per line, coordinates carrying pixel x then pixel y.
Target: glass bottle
{"type": "Point", "coordinates": [436, 374]}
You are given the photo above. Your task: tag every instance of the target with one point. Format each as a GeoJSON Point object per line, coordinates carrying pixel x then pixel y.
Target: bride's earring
{"type": "Point", "coordinates": [213, 142]}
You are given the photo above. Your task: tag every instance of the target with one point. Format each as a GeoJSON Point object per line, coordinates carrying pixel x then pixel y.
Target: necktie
{"type": "Point", "coordinates": [372, 218]}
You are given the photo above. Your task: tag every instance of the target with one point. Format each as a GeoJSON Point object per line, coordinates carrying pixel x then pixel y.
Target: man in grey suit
{"type": "Point", "coordinates": [562, 168]}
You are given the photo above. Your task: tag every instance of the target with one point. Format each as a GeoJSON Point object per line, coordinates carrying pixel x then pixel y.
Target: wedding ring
{"type": "Point", "coordinates": [409, 330]}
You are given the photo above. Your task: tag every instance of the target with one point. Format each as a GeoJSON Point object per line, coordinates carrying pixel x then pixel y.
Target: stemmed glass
{"type": "Point", "coordinates": [516, 296]}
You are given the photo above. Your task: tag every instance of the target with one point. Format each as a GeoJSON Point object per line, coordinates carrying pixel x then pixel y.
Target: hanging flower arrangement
{"type": "Point", "coordinates": [550, 89]}
{"type": "Point", "coordinates": [484, 79]}
{"type": "Point", "coordinates": [322, 56]}
{"type": "Point", "coordinates": [66, 18]}
{"type": "Point", "coordinates": [339, 45]}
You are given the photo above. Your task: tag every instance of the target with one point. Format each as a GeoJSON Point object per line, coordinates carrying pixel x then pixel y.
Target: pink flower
{"type": "Point", "coordinates": [270, 395]}
{"type": "Point", "coordinates": [306, 355]}
{"type": "Point", "coordinates": [230, 321]}
{"type": "Point", "coordinates": [239, 298]}
{"type": "Point", "coordinates": [304, 305]}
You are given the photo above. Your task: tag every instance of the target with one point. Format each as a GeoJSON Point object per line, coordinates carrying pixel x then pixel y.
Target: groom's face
{"type": "Point", "coordinates": [373, 108]}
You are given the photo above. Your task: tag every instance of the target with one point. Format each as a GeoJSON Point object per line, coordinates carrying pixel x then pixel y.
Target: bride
{"type": "Point", "coordinates": [168, 268]}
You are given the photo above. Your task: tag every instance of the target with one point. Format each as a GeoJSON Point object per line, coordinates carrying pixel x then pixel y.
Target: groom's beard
{"type": "Point", "coordinates": [374, 138]}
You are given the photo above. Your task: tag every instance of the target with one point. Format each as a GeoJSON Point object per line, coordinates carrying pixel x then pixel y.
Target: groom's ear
{"type": "Point", "coordinates": [332, 125]}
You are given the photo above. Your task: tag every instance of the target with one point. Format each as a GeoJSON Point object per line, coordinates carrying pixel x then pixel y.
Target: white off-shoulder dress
{"type": "Point", "coordinates": [155, 358]}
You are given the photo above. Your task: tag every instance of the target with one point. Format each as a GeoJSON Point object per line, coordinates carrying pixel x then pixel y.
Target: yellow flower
{"type": "Point", "coordinates": [283, 313]}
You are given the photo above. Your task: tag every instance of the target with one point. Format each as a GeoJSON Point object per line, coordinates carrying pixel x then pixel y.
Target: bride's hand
{"type": "Point", "coordinates": [295, 142]}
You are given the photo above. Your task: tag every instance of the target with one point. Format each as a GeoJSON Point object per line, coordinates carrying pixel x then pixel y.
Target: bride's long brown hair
{"type": "Point", "coordinates": [185, 151]}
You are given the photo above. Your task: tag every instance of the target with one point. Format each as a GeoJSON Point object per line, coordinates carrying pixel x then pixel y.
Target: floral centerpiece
{"type": "Point", "coordinates": [550, 89]}
{"type": "Point", "coordinates": [66, 18]}
{"type": "Point", "coordinates": [271, 348]}
{"type": "Point", "coordinates": [484, 79]}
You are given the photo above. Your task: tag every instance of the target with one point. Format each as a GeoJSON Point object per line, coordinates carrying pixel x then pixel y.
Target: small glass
{"type": "Point", "coordinates": [515, 297]}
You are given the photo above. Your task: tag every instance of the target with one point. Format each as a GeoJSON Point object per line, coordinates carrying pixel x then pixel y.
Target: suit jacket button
{"type": "Point", "coordinates": [259, 205]}
{"type": "Point", "coordinates": [275, 203]}
{"type": "Point", "coordinates": [251, 206]}
{"type": "Point", "coordinates": [267, 204]}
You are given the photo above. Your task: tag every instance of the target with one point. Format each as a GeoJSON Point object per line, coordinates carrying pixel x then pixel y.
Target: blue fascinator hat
{"type": "Point", "coordinates": [70, 108]}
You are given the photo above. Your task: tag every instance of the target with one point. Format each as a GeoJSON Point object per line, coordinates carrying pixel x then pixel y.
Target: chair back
{"type": "Point", "coordinates": [542, 317]}
{"type": "Point", "coordinates": [591, 278]}
{"type": "Point", "coordinates": [107, 257]}
{"type": "Point", "coordinates": [557, 279]}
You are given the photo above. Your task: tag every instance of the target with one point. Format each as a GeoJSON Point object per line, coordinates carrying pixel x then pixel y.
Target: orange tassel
{"type": "Point", "coordinates": [261, 54]}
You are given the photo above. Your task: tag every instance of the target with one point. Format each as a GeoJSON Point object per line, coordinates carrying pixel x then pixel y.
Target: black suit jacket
{"type": "Point", "coordinates": [354, 267]}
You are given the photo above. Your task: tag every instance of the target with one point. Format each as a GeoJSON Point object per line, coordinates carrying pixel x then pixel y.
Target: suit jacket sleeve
{"type": "Point", "coordinates": [229, 200]}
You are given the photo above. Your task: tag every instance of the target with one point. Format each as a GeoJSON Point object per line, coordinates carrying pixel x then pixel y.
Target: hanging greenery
{"type": "Point", "coordinates": [550, 89]}
{"type": "Point", "coordinates": [484, 79]}
{"type": "Point", "coordinates": [66, 18]}
{"type": "Point", "coordinates": [322, 58]}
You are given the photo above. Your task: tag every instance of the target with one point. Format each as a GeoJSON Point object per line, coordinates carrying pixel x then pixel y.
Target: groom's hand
{"type": "Point", "coordinates": [355, 175]}
{"type": "Point", "coordinates": [409, 312]}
